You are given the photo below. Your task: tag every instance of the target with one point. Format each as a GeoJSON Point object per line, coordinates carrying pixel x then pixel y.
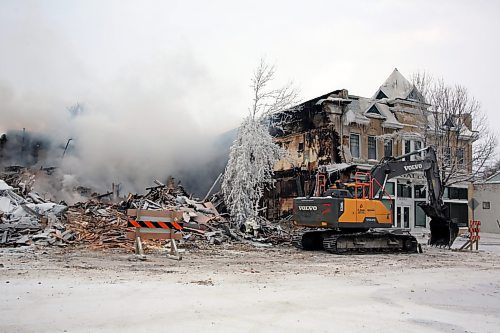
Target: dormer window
{"type": "Point", "coordinates": [373, 110]}
{"type": "Point", "coordinates": [380, 95]}
{"type": "Point", "coordinates": [416, 95]}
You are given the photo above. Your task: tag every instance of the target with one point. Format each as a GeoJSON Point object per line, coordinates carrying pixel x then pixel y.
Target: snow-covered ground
{"type": "Point", "coordinates": [247, 290]}
{"type": "Point", "coordinates": [489, 242]}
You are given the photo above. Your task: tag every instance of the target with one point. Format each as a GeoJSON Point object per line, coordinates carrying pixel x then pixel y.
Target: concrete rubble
{"type": "Point", "coordinates": [28, 219]}
{"type": "Point", "coordinates": [99, 223]}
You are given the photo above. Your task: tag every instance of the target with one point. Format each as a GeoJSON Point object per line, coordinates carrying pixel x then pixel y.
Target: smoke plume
{"type": "Point", "coordinates": [137, 128]}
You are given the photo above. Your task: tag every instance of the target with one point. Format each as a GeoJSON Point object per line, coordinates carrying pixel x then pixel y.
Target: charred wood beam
{"type": "Point", "coordinates": [100, 196]}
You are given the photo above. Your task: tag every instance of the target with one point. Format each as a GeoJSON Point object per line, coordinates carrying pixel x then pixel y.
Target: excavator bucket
{"type": "Point", "coordinates": [443, 230]}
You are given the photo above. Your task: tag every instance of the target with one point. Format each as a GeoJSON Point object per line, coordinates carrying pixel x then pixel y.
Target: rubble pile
{"type": "Point", "coordinates": [30, 219]}
{"type": "Point", "coordinates": [173, 197]}
{"type": "Point", "coordinates": [98, 225]}
{"type": "Point", "coordinates": [19, 177]}
{"type": "Point", "coordinates": [26, 218]}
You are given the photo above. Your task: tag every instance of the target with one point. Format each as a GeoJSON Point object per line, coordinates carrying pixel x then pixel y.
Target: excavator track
{"type": "Point", "coordinates": [356, 243]}
{"type": "Point", "coordinates": [370, 242]}
{"type": "Point", "coordinates": [297, 240]}
{"type": "Point", "coordinates": [310, 240]}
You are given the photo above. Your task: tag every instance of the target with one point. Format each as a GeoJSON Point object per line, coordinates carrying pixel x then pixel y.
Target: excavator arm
{"type": "Point", "coordinates": [443, 230]}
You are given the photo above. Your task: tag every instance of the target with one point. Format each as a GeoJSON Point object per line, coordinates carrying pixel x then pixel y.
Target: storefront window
{"type": "Point", "coordinates": [403, 217]}
{"type": "Point", "coordinates": [458, 213]}
{"type": "Point", "coordinates": [404, 191]}
{"type": "Point", "coordinates": [457, 193]}
{"type": "Point", "coordinates": [420, 220]}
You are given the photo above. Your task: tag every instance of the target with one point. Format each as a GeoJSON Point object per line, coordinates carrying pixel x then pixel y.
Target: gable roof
{"type": "Point", "coordinates": [395, 86]}
{"type": "Point", "coordinates": [359, 112]}
{"type": "Point", "coordinates": [390, 118]}
{"type": "Point", "coordinates": [317, 100]}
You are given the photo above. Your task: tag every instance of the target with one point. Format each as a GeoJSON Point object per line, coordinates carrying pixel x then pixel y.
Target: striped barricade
{"type": "Point", "coordinates": [474, 228]}
{"type": "Point", "coordinates": [155, 224]}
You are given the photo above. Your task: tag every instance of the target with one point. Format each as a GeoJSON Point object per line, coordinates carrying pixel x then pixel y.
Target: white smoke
{"type": "Point", "coordinates": [151, 107]}
{"type": "Point", "coordinates": [131, 131]}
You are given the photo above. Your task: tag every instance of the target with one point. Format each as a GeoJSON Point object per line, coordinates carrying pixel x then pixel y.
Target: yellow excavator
{"type": "Point", "coordinates": [351, 217]}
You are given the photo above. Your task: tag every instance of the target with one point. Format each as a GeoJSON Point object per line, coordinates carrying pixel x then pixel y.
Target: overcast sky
{"type": "Point", "coordinates": [197, 58]}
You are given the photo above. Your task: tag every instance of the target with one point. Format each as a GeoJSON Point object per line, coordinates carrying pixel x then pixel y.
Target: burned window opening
{"type": "Point", "coordinates": [300, 148]}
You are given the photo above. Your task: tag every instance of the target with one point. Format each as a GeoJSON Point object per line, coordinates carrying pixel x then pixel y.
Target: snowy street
{"type": "Point", "coordinates": [241, 289]}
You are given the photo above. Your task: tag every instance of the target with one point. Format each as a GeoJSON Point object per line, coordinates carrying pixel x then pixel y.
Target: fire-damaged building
{"type": "Point", "coordinates": [341, 134]}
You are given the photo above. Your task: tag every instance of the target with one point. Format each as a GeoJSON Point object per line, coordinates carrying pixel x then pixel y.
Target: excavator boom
{"type": "Point", "coordinates": [443, 230]}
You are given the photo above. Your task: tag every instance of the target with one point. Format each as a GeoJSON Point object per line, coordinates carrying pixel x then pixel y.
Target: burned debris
{"type": "Point", "coordinates": [100, 221]}
{"type": "Point", "coordinates": [27, 219]}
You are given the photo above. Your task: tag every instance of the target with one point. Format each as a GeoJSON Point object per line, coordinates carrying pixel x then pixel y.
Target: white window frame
{"type": "Point", "coordinates": [413, 147]}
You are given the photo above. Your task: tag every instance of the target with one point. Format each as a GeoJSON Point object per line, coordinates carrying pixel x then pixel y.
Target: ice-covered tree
{"type": "Point", "coordinates": [249, 171]}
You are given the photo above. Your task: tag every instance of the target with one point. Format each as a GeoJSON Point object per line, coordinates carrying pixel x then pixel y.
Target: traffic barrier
{"type": "Point", "coordinates": [474, 228]}
{"type": "Point", "coordinates": [155, 224]}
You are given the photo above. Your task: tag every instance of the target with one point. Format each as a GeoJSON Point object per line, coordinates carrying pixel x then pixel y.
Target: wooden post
{"type": "Point", "coordinates": [174, 252]}
{"type": "Point", "coordinates": [138, 243]}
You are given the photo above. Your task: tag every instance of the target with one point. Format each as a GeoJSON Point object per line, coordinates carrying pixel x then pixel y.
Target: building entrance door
{"type": "Point", "coordinates": [403, 217]}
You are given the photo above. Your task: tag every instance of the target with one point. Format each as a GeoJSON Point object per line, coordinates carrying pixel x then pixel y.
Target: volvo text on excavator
{"type": "Point", "coordinates": [350, 217]}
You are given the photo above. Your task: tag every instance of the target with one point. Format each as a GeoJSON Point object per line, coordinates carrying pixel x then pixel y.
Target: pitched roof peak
{"type": "Point", "coordinates": [395, 86]}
